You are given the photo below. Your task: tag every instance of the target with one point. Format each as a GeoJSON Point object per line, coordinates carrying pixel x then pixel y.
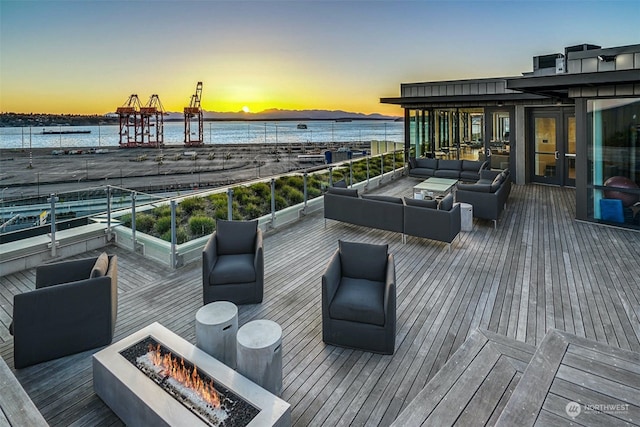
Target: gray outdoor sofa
{"type": "Point", "coordinates": [73, 308]}
{"type": "Point", "coordinates": [466, 170]}
{"type": "Point", "coordinates": [488, 195]}
{"type": "Point", "coordinates": [418, 218]}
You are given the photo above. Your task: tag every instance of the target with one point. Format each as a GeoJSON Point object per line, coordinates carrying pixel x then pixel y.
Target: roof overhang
{"type": "Point", "coordinates": [558, 85]}
{"type": "Point", "coordinates": [428, 100]}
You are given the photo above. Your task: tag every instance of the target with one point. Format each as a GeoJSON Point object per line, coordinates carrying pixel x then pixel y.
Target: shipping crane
{"type": "Point", "coordinates": [191, 139]}
{"type": "Point", "coordinates": [152, 122]}
{"type": "Point", "coordinates": [130, 124]}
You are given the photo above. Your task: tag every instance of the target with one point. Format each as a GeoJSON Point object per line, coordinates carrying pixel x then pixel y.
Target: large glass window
{"type": "Point", "coordinates": [419, 144]}
{"type": "Point", "coordinates": [614, 160]}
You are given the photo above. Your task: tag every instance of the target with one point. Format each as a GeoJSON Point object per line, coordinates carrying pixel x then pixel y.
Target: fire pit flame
{"type": "Point", "coordinates": [172, 367]}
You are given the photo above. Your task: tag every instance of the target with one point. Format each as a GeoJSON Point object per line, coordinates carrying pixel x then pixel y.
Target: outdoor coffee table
{"type": "Point", "coordinates": [438, 186]}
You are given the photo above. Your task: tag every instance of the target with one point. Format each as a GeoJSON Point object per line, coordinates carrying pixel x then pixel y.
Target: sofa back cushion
{"type": "Point", "coordinates": [349, 192]}
{"type": "Point", "coordinates": [429, 203]}
{"type": "Point", "coordinates": [446, 203]}
{"type": "Point", "coordinates": [101, 266]}
{"type": "Point", "coordinates": [427, 163]}
{"type": "Point", "coordinates": [472, 165]}
{"type": "Point", "coordinates": [412, 162]}
{"type": "Point", "coordinates": [450, 164]}
{"type": "Point", "coordinates": [497, 181]}
{"type": "Point", "coordinates": [388, 199]}
{"type": "Point", "coordinates": [236, 237]}
{"type": "Point", "coordinates": [363, 260]}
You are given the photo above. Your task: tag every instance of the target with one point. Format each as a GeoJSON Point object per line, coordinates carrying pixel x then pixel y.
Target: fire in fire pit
{"type": "Point", "coordinates": [213, 403]}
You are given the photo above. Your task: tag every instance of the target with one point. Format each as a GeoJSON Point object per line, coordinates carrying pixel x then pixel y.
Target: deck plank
{"type": "Point", "coordinates": [537, 270]}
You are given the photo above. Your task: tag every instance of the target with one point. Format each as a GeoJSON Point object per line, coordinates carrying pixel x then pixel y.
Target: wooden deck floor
{"type": "Point", "coordinates": [540, 269]}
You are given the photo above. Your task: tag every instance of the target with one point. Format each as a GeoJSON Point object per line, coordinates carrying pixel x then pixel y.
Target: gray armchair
{"type": "Point", "coordinates": [359, 298]}
{"type": "Point", "coordinates": [73, 309]}
{"type": "Point", "coordinates": [233, 263]}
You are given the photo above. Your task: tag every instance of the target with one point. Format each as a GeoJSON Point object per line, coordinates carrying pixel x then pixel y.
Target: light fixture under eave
{"type": "Point", "coordinates": [607, 58]}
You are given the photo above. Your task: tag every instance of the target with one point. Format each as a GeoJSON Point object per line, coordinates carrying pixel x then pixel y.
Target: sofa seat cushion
{"type": "Point", "coordinates": [479, 187]}
{"type": "Point", "coordinates": [427, 203]}
{"type": "Point", "coordinates": [469, 175]}
{"type": "Point", "coordinates": [388, 199]}
{"type": "Point", "coordinates": [359, 300]}
{"type": "Point", "coordinates": [363, 260]}
{"type": "Point", "coordinates": [101, 266]}
{"type": "Point", "coordinates": [230, 269]}
{"type": "Point", "coordinates": [349, 192]}
{"type": "Point", "coordinates": [426, 172]}
{"type": "Point", "coordinates": [447, 173]}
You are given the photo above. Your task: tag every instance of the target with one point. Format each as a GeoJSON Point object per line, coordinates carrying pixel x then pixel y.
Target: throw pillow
{"type": "Point", "coordinates": [446, 203]}
{"type": "Point", "coordinates": [363, 260]}
{"type": "Point", "coordinates": [389, 199]}
{"type": "Point", "coordinates": [236, 237]}
{"type": "Point", "coordinates": [101, 266]}
{"type": "Point", "coordinates": [431, 204]}
{"type": "Point", "coordinates": [351, 192]}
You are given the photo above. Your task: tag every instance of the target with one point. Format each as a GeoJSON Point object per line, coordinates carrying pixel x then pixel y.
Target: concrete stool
{"type": "Point", "coordinates": [260, 354]}
{"type": "Point", "coordinates": [466, 217]}
{"type": "Point", "coordinates": [216, 329]}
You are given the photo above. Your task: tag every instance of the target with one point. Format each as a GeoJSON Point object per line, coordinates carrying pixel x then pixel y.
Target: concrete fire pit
{"type": "Point", "coordinates": [138, 400]}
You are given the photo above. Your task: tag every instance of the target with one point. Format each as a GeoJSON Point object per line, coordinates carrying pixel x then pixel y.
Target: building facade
{"type": "Point", "coordinates": [573, 121]}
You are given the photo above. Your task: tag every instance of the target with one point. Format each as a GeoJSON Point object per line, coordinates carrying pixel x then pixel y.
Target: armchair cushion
{"type": "Point", "coordinates": [359, 300]}
{"type": "Point", "coordinates": [351, 192]}
{"type": "Point", "coordinates": [427, 203]}
{"type": "Point", "coordinates": [412, 162]}
{"type": "Point", "coordinates": [100, 267]}
{"type": "Point", "coordinates": [233, 269]}
{"type": "Point", "coordinates": [236, 237]}
{"type": "Point", "coordinates": [363, 260]}
{"type": "Point", "coordinates": [340, 184]}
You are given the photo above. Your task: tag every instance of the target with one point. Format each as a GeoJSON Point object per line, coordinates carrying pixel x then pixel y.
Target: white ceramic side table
{"type": "Point", "coordinates": [466, 217]}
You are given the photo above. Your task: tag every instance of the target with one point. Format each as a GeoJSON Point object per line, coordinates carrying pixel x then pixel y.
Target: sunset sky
{"type": "Point", "coordinates": [87, 57]}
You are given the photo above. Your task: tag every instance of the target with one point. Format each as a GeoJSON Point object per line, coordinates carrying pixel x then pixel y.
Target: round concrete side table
{"type": "Point", "coordinates": [216, 329]}
{"type": "Point", "coordinates": [260, 354]}
{"type": "Point", "coordinates": [466, 217]}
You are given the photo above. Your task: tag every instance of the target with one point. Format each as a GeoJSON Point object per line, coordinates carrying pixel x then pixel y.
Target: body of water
{"type": "Point", "coordinates": [232, 132]}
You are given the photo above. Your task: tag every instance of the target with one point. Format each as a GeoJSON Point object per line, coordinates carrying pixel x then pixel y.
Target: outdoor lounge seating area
{"type": "Point", "coordinates": [466, 170]}
{"type": "Point", "coordinates": [488, 195]}
{"type": "Point", "coordinates": [518, 281]}
{"type": "Point", "coordinates": [419, 218]}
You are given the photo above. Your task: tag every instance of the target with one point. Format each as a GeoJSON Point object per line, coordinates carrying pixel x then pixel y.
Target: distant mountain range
{"type": "Point", "coordinates": [277, 114]}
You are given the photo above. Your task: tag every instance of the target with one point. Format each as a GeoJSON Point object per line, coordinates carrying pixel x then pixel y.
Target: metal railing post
{"type": "Point", "coordinates": [330, 176]}
{"type": "Point", "coordinates": [381, 166]}
{"type": "Point", "coordinates": [273, 202]}
{"type": "Point", "coordinates": [305, 192]}
{"type": "Point", "coordinates": [230, 204]}
{"type": "Point", "coordinates": [133, 219]}
{"type": "Point", "coordinates": [393, 163]}
{"type": "Point", "coordinates": [108, 213]}
{"type": "Point", "coordinates": [174, 237]}
{"type": "Point", "coordinates": [351, 173]}
{"type": "Point", "coordinates": [53, 199]}
{"type": "Point", "coordinates": [368, 173]}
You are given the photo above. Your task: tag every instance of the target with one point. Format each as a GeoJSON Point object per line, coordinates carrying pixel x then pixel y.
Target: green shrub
{"type": "Point", "coordinates": [126, 220]}
{"type": "Point", "coordinates": [201, 225]}
{"type": "Point", "coordinates": [162, 211]}
{"type": "Point", "coordinates": [163, 224]}
{"type": "Point", "coordinates": [261, 190]}
{"type": "Point", "coordinates": [144, 222]}
{"type": "Point", "coordinates": [292, 195]}
{"type": "Point", "coordinates": [181, 236]}
{"type": "Point", "coordinates": [192, 204]}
